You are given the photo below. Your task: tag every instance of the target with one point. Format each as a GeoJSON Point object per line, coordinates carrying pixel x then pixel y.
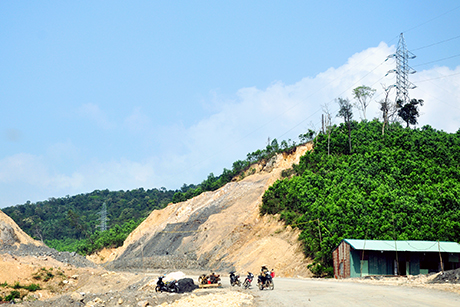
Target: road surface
{"type": "Point", "coordinates": [314, 292]}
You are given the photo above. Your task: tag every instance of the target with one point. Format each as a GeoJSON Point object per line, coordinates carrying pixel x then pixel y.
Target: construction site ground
{"type": "Point", "coordinates": [98, 287]}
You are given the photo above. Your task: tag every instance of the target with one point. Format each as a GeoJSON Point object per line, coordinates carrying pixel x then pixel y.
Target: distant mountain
{"type": "Point", "coordinates": [77, 217]}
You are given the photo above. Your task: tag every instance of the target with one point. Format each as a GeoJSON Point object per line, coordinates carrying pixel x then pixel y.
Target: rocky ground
{"type": "Point", "coordinates": [452, 276]}
{"type": "Point", "coordinates": [76, 281]}
{"type": "Point", "coordinates": [77, 284]}
{"type": "Point", "coordinates": [43, 253]}
{"type": "Point", "coordinates": [447, 281]}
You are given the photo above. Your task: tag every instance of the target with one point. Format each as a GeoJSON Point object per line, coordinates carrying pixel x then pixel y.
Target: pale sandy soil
{"type": "Point", "coordinates": [414, 281]}
{"type": "Point", "coordinates": [102, 287]}
{"type": "Point", "coordinates": [234, 234]}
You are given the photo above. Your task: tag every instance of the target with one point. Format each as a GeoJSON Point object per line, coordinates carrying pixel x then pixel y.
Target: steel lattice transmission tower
{"type": "Point", "coordinates": [103, 217]}
{"type": "Point", "coordinates": [403, 70]}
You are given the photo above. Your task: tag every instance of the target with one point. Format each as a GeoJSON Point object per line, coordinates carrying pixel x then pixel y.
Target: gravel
{"type": "Point", "coordinates": [44, 251]}
{"type": "Point", "coordinates": [452, 276]}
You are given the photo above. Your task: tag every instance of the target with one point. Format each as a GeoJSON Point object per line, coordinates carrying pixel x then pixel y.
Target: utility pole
{"type": "Point", "coordinates": [403, 70]}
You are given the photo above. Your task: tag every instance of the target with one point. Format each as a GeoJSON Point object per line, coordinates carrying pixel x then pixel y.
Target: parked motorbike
{"type": "Point", "coordinates": [169, 286]}
{"type": "Point", "coordinates": [265, 282]}
{"type": "Point", "coordinates": [214, 279]}
{"type": "Point", "coordinates": [209, 279]}
{"type": "Point", "coordinates": [234, 279]}
{"type": "Point", "coordinates": [203, 279]}
{"type": "Point", "coordinates": [248, 280]}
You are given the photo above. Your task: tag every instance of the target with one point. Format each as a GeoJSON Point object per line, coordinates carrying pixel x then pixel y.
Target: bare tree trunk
{"type": "Point", "coordinates": [349, 136]}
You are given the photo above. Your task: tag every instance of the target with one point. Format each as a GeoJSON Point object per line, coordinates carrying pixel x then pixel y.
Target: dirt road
{"type": "Point", "coordinates": [312, 292]}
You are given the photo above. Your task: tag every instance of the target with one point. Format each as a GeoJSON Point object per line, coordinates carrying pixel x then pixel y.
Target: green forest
{"type": "Point", "coordinates": [72, 223]}
{"type": "Point", "coordinates": [403, 185]}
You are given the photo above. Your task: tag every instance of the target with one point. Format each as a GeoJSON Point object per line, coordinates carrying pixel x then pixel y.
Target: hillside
{"type": "Point", "coordinates": [71, 223]}
{"type": "Point", "coordinates": [11, 234]}
{"type": "Point", "coordinates": [402, 185]}
{"type": "Point", "coordinates": [219, 230]}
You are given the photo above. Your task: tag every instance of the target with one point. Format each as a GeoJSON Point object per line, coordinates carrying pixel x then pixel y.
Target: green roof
{"type": "Point", "coordinates": [404, 246]}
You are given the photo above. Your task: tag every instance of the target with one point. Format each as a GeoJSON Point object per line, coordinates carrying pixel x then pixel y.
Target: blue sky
{"type": "Point", "coordinates": [120, 95]}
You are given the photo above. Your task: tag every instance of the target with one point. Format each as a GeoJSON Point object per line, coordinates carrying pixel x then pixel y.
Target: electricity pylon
{"type": "Point", "coordinates": [103, 217]}
{"type": "Point", "coordinates": [403, 85]}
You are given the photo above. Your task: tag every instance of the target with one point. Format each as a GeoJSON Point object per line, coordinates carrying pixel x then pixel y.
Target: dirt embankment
{"type": "Point", "coordinates": [11, 234]}
{"type": "Point", "coordinates": [219, 230]}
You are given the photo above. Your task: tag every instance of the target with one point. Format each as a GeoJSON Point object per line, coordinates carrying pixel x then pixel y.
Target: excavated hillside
{"type": "Point", "coordinates": [11, 234]}
{"type": "Point", "coordinates": [219, 230]}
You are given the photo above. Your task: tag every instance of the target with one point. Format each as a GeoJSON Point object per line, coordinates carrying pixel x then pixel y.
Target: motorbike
{"type": "Point", "coordinates": [234, 279]}
{"type": "Point", "coordinates": [265, 282]}
{"type": "Point", "coordinates": [169, 286]}
{"type": "Point", "coordinates": [209, 279]}
{"type": "Point", "coordinates": [214, 279]}
{"type": "Point", "coordinates": [248, 280]}
{"type": "Point", "coordinates": [203, 279]}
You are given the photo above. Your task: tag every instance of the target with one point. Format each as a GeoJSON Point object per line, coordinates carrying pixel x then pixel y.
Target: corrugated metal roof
{"type": "Point", "coordinates": [404, 246]}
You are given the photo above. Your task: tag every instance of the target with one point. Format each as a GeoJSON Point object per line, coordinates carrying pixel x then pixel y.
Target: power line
{"type": "Point", "coordinates": [454, 56]}
{"type": "Point", "coordinates": [428, 21]}
{"type": "Point", "coordinates": [328, 84]}
{"type": "Point", "coordinates": [440, 42]}
{"type": "Point", "coordinates": [439, 77]}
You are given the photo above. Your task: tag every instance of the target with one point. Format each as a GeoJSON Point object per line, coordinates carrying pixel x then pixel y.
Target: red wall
{"type": "Point", "coordinates": [341, 255]}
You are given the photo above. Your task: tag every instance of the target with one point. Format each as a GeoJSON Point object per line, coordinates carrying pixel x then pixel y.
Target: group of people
{"type": "Point", "coordinates": [264, 272]}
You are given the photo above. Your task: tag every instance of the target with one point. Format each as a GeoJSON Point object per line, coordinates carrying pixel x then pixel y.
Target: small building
{"type": "Point", "coordinates": [355, 258]}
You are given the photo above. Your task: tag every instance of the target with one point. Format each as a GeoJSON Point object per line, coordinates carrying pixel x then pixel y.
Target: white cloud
{"type": "Point", "coordinates": [137, 121]}
{"type": "Point", "coordinates": [33, 170]}
{"type": "Point", "coordinates": [119, 174]}
{"type": "Point", "coordinates": [438, 87]}
{"type": "Point", "coordinates": [63, 151]}
{"type": "Point", "coordinates": [283, 111]}
{"type": "Point", "coordinates": [94, 113]}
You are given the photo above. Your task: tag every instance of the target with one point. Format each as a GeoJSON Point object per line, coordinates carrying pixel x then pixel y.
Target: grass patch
{"type": "Point", "coordinates": [43, 274]}
{"type": "Point", "coordinates": [13, 294]}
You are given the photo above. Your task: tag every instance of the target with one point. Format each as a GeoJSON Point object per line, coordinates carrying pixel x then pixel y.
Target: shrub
{"type": "Point", "coordinates": [13, 294]}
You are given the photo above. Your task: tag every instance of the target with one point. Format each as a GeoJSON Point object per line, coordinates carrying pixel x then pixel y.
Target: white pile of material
{"type": "Point", "coordinates": [174, 276]}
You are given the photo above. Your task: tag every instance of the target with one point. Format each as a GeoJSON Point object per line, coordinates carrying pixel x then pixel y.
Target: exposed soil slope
{"type": "Point", "coordinates": [11, 234]}
{"type": "Point", "coordinates": [219, 230]}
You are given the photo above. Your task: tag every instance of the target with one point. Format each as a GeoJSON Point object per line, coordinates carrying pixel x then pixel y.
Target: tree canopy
{"type": "Point", "coordinates": [409, 112]}
{"type": "Point", "coordinates": [363, 95]}
{"type": "Point", "coordinates": [404, 186]}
